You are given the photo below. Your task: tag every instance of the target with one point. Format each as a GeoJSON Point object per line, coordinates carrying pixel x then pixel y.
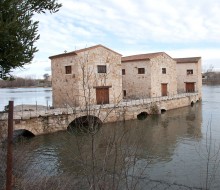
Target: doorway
{"type": "Point", "coordinates": [164, 89]}
{"type": "Point", "coordinates": [102, 95]}
{"type": "Point", "coordinates": [190, 87]}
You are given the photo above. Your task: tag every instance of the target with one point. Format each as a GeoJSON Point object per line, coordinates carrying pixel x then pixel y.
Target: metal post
{"type": "Point", "coordinates": [10, 147]}
{"type": "Point", "coordinates": [22, 108]}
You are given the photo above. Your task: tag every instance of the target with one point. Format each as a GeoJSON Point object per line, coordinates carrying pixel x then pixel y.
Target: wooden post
{"type": "Point", "coordinates": [10, 147]}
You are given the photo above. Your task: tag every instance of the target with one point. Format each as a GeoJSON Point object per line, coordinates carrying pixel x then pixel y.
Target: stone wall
{"type": "Point", "coordinates": [149, 84]}
{"type": "Point", "coordinates": [65, 87]}
{"type": "Point", "coordinates": [199, 78]}
{"type": "Point", "coordinates": [157, 77]}
{"type": "Point", "coordinates": [58, 119]}
{"type": "Point", "coordinates": [136, 85]}
{"type": "Point", "coordinates": [80, 86]}
{"type": "Point", "coordinates": [112, 78]}
{"type": "Point", "coordinates": [182, 76]}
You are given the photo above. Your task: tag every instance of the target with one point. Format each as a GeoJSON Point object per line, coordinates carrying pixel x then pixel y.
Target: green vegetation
{"type": "Point", "coordinates": [18, 31]}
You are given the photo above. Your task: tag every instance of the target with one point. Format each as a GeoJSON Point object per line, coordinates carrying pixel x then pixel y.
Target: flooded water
{"type": "Point", "coordinates": [39, 96]}
{"type": "Point", "coordinates": [176, 150]}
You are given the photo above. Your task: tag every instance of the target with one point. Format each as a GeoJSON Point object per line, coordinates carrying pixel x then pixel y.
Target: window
{"type": "Point", "coordinates": [101, 68]}
{"type": "Point", "coordinates": [189, 72]}
{"type": "Point", "coordinates": [124, 93]}
{"type": "Point", "coordinates": [68, 69]}
{"type": "Point", "coordinates": [141, 70]}
{"type": "Point", "coordinates": [123, 71]}
{"type": "Point", "coordinates": [164, 70]}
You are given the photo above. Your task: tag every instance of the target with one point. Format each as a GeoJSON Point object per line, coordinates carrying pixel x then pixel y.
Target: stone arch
{"type": "Point", "coordinates": [142, 115]}
{"type": "Point", "coordinates": [163, 110]}
{"type": "Point", "coordinates": [87, 123]}
{"type": "Point", "coordinates": [192, 103]}
{"type": "Point", "coordinates": [19, 133]}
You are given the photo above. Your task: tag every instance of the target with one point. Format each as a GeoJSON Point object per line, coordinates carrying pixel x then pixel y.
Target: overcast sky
{"type": "Point", "coordinates": [181, 28]}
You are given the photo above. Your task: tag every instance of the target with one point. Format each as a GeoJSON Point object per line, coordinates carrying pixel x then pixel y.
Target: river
{"type": "Point", "coordinates": [33, 96]}
{"type": "Point", "coordinates": [176, 150]}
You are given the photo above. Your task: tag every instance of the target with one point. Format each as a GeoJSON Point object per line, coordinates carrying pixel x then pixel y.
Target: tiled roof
{"type": "Point", "coordinates": [81, 50]}
{"type": "Point", "coordinates": [187, 60]}
{"type": "Point", "coordinates": [140, 57]}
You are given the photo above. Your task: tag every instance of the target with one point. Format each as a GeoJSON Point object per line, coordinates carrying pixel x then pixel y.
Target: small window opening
{"type": "Point", "coordinates": [141, 70]}
{"type": "Point", "coordinates": [164, 71]}
{"type": "Point", "coordinates": [189, 72]}
{"type": "Point", "coordinates": [101, 68]}
{"type": "Point", "coordinates": [123, 71]}
{"type": "Point", "coordinates": [124, 93]}
{"type": "Point", "coordinates": [68, 69]}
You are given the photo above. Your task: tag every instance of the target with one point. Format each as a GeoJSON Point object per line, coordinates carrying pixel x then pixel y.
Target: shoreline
{"type": "Point", "coordinates": [27, 87]}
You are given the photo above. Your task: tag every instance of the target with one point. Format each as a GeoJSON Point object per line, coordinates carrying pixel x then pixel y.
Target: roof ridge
{"type": "Point", "coordinates": [187, 59]}
{"type": "Point", "coordinates": [139, 57]}
{"type": "Point", "coordinates": [82, 50]}
{"type": "Point", "coordinates": [145, 54]}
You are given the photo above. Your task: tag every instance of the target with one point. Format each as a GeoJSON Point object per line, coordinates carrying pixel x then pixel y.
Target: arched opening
{"type": "Point", "coordinates": [142, 115]}
{"type": "Point", "coordinates": [21, 134]}
{"type": "Point", "coordinates": [162, 111]}
{"type": "Point", "coordinates": [192, 104]}
{"type": "Point", "coordinates": [85, 124]}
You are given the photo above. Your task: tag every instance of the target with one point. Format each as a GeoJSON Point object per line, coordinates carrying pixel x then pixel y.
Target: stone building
{"type": "Point", "coordinates": [189, 75]}
{"type": "Point", "coordinates": [99, 75]}
{"type": "Point", "coordinates": [87, 76]}
{"type": "Point", "coordinates": [148, 75]}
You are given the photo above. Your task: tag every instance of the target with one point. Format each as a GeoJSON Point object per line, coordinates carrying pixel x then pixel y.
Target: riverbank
{"type": "Point", "coordinates": [24, 82]}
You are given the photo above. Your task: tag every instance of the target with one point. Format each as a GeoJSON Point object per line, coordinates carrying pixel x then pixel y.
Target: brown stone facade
{"type": "Point", "coordinates": [159, 77]}
{"type": "Point", "coordinates": [99, 75]}
{"type": "Point", "coordinates": [189, 75]}
{"type": "Point", "coordinates": [82, 77]}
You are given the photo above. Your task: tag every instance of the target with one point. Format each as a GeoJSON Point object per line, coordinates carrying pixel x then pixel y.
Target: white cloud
{"type": "Point", "coordinates": [34, 70]}
{"type": "Point", "coordinates": [209, 56]}
{"type": "Point", "coordinates": [132, 26]}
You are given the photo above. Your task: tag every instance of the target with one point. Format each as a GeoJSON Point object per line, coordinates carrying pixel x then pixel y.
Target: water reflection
{"type": "Point", "coordinates": [172, 146]}
{"type": "Point", "coordinates": [167, 142]}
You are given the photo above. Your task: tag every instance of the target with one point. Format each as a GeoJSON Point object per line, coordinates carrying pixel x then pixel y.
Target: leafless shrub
{"type": "Point", "coordinates": [210, 155]}
{"type": "Point", "coordinates": [154, 108]}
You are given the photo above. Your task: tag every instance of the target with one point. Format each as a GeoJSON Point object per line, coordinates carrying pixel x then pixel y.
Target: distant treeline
{"type": "Point", "coordinates": [24, 82]}
{"type": "Point", "coordinates": [211, 78]}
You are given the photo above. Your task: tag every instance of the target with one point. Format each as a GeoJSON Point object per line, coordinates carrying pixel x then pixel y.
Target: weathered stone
{"type": "Point", "coordinates": [79, 86]}
{"type": "Point", "coordinates": [51, 123]}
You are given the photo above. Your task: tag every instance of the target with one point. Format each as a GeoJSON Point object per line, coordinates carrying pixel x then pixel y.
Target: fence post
{"type": "Point", "coordinates": [36, 107]}
{"type": "Point", "coordinates": [10, 148]}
